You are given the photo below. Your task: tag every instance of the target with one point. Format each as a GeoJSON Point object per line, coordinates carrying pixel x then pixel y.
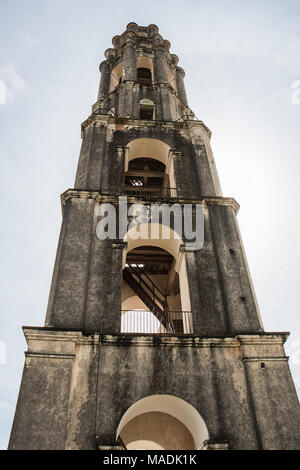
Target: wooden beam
{"type": "Point", "coordinates": [143, 173]}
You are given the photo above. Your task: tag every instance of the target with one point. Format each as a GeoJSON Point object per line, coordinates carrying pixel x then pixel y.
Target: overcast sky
{"type": "Point", "coordinates": [241, 59]}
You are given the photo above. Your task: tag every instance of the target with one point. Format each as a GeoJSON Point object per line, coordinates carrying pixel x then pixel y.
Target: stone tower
{"type": "Point", "coordinates": [152, 342]}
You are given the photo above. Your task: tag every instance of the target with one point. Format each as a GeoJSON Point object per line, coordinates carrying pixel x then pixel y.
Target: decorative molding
{"type": "Point", "coordinates": [119, 244]}
{"type": "Point", "coordinates": [213, 445]}
{"type": "Point", "coordinates": [175, 153]}
{"type": "Point", "coordinates": [103, 119]}
{"type": "Point", "coordinates": [265, 359]}
{"type": "Point", "coordinates": [140, 339]}
{"type": "Point", "coordinates": [50, 335]}
{"type": "Point", "coordinates": [111, 447]}
{"type": "Point", "coordinates": [264, 338]}
{"type": "Point", "coordinates": [168, 340]}
{"type": "Point", "coordinates": [222, 201]}
{"type": "Point", "coordinates": [50, 355]}
{"type": "Point", "coordinates": [107, 118]}
{"type": "Point", "coordinates": [79, 194]}
{"type": "Point", "coordinates": [114, 199]}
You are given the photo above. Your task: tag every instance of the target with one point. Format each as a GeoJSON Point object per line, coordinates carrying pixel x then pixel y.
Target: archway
{"type": "Point", "coordinates": [162, 422]}
{"type": "Point", "coordinates": [147, 177]}
{"type": "Point", "coordinates": [155, 292]}
{"type": "Point", "coordinates": [144, 76]}
{"type": "Point", "coordinates": [146, 109]}
{"type": "Point", "coordinates": [144, 70]}
{"type": "Point", "coordinates": [116, 76]}
{"type": "Point", "coordinates": [148, 149]}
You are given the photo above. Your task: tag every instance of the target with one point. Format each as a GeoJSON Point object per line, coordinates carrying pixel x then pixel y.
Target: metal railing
{"type": "Point", "coordinates": [150, 192]}
{"type": "Point", "coordinates": [182, 321]}
{"type": "Point", "coordinates": [144, 321]}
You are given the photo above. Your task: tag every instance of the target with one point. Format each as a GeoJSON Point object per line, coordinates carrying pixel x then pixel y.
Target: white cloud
{"type": "Point", "coordinates": [13, 82]}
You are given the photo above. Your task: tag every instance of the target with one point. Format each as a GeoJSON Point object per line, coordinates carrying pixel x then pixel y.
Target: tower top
{"type": "Point", "coordinates": [146, 38]}
{"type": "Point", "coordinates": [140, 67]}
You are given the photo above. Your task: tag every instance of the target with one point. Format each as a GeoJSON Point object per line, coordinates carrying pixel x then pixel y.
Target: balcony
{"type": "Point", "coordinates": [144, 321]}
{"type": "Point", "coordinates": [143, 191]}
{"type": "Point", "coordinates": [145, 82]}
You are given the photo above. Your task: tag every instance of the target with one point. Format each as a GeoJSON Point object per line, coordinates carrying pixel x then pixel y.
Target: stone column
{"type": "Point", "coordinates": [105, 70]}
{"type": "Point", "coordinates": [180, 85]}
{"type": "Point", "coordinates": [67, 300]}
{"type": "Point", "coordinates": [238, 294]}
{"type": "Point", "coordinates": [44, 393]}
{"type": "Point", "coordinates": [153, 29]}
{"type": "Point", "coordinates": [133, 27]}
{"type": "Point", "coordinates": [191, 272]}
{"type": "Point", "coordinates": [117, 171]}
{"type": "Point", "coordinates": [161, 67]}
{"type": "Point", "coordinates": [90, 170]}
{"type": "Point", "coordinates": [129, 59]}
{"type": "Point", "coordinates": [112, 322]}
{"type": "Point", "coordinates": [104, 283]}
{"type": "Point", "coordinates": [264, 362]}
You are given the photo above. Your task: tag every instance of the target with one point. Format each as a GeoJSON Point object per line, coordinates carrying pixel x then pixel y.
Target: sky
{"type": "Point", "coordinates": [241, 60]}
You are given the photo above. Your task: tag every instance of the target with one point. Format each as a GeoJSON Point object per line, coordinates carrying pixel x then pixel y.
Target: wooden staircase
{"type": "Point", "coordinates": [149, 293]}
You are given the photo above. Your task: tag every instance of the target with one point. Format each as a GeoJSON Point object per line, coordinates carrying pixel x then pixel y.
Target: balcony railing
{"type": "Point", "coordinates": [139, 191]}
{"type": "Point", "coordinates": [144, 321]}
{"type": "Point", "coordinates": [145, 81]}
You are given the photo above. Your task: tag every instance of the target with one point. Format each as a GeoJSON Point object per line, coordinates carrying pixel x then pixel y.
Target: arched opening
{"type": "Point", "coordinates": [144, 76]}
{"type": "Point", "coordinates": [116, 76]}
{"type": "Point", "coordinates": [146, 110]}
{"type": "Point", "coordinates": [162, 422]}
{"type": "Point", "coordinates": [155, 292]}
{"type": "Point", "coordinates": [149, 169]}
{"type": "Point", "coordinates": [149, 148]}
{"type": "Point", "coordinates": [147, 176]}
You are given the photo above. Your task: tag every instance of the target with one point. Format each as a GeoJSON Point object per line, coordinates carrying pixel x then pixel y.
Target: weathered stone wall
{"type": "Point", "coordinates": [68, 401]}
{"type": "Point", "coordinates": [86, 285]}
{"type": "Point", "coordinates": [87, 279]}
{"type": "Point", "coordinates": [41, 415]}
{"type": "Point", "coordinates": [100, 170]}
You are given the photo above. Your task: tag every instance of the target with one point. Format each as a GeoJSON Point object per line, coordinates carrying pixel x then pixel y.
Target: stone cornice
{"type": "Point", "coordinates": [47, 334]}
{"type": "Point", "coordinates": [168, 340]}
{"type": "Point", "coordinates": [265, 359]}
{"type": "Point", "coordinates": [114, 199]}
{"type": "Point", "coordinates": [78, 193]}
{"type": "Point", "coordinates": [221, 201]}
{"type": "Point", "coordinates": [106, 119]}
{"type": "Point", "coordinates": [195, 123]}
{"type": "Point", "coordinates": [140, 339]}
{"type": "Point", "coordinates": [49, 355]}
{"type": "Point", "coordinates": [214, 445]}
{"type": "Point", "coordinates": [270, 338]}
